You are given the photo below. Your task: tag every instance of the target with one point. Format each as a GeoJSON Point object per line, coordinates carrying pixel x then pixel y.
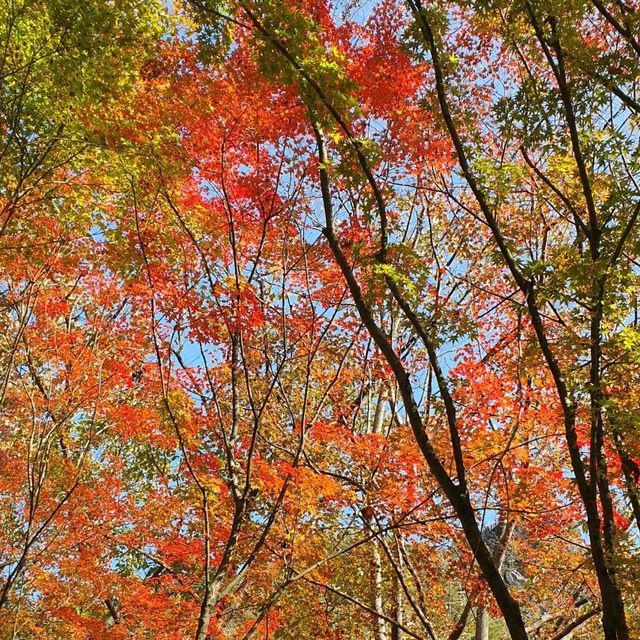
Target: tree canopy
{"type": "Point", "coordinates": [320, 319]}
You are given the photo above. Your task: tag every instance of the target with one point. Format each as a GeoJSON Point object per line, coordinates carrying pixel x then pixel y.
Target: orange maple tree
{"type": "Point", "coordinates": [320, 320]}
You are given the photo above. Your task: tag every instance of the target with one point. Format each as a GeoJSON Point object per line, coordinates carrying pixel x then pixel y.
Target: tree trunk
{"type": "Point", "coordinates": [380, 624]}
{"type": "Point", "coordinates": [482, 624]}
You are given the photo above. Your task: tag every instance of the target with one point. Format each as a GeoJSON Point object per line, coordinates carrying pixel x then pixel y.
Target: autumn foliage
{"type": "Point", "coordinates": [320, 320]}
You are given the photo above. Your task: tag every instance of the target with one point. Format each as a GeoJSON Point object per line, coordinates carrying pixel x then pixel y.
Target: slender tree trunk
{"type": "Point", "coordinates": [396, 631]}
{"type": "Point", "coordinates": [380, 624]}
{"type": "Point", "coordinates": [378, 417]}
{"type": "Point", "coordinates": [482, 624]}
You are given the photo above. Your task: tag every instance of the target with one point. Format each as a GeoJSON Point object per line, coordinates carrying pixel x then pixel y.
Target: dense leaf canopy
{"type": "Point", "coordinates": [320, 320]}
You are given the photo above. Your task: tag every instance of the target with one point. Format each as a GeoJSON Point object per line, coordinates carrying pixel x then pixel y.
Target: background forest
{"type": "Point", "coordinates": [319, 320]}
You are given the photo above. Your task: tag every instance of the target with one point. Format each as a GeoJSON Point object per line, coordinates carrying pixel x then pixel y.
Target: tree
{"type": "Point", "coordinates": [299, 57]}
{"type": "Point", "coordinates": [321, 320]}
